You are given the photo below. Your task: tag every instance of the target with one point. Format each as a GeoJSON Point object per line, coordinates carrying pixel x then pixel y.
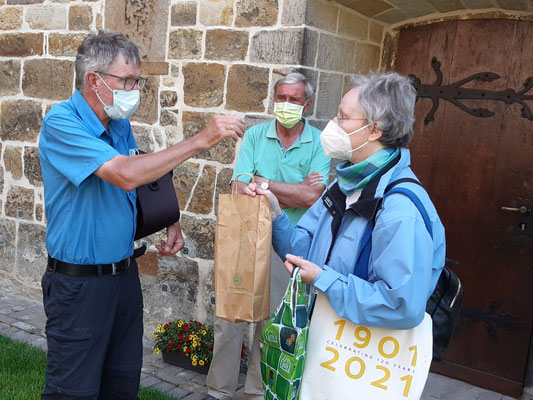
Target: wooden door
{"type": "Point", "coordinates": [472, 167]}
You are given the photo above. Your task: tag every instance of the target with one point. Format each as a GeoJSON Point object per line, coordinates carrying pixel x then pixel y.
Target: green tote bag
{"type": "Point", "coordinates": [283, 342]}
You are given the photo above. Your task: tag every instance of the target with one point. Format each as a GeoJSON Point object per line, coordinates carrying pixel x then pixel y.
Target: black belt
{"type": "Point", "coordinates": [91, 270]}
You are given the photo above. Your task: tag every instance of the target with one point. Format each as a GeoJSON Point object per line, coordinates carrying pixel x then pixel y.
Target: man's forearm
{"type": "Point", "coordinates": [297, 195]}
{"type": "Point", "coordinates": [130, 172]}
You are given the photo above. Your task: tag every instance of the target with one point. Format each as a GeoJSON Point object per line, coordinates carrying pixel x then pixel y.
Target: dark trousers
{"type": "Point", "coordinates": [94, 333]}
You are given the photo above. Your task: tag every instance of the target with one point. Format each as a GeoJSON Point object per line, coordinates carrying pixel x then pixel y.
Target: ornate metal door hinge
{"type": "Point", "coordinates": [454, 92]}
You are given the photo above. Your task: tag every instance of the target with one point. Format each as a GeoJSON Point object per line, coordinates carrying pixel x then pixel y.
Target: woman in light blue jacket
{"type": "Point", "coordinates": [369, 134]}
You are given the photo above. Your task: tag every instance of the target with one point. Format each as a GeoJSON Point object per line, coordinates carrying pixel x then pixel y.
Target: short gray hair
{"type": "Point", "coordinates": [296, 77]}
{"type": "Point", "coordinates": [388, 99]}
{"type": "Point", "coordinates": [98, 52]}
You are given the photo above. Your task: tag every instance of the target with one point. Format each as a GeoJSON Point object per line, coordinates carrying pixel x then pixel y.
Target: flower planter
{"type": "Point", "coordinates": [175, 358]}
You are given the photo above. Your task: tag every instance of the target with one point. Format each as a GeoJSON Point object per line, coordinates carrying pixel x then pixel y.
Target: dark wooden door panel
{"type": "Point", "coordinates": [472, 167]}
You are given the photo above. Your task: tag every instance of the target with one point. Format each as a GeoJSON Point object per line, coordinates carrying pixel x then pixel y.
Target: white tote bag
{"type": "Point", "coordinates": [350, 361]}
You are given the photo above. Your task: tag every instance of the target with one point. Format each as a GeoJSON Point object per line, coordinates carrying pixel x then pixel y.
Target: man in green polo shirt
{"type": "Point", "coordinates": [284, 155]}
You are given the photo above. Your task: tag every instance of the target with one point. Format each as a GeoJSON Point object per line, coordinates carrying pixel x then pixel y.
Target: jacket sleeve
{"type": "Point", "coordinates": [400, 280]}
{"type": "Point", "coordinates": [296, 240]}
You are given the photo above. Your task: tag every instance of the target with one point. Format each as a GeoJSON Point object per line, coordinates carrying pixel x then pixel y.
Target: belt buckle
{"type": "Point", "coordinates": [114, 269]}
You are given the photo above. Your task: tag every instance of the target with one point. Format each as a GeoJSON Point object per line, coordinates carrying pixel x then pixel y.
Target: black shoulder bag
{"type": "Point", "coordinates": [444, 305]}
{"type": "Point", "coordinates": [157, 206]}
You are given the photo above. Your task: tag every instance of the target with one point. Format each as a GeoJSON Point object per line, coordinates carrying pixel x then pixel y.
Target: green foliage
{"type": "Point", "coordinates": [23, 369]}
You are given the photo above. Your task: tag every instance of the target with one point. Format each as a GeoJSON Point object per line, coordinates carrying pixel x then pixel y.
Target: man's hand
{"type": "Point", "coordinates": [174, 242]}
{"type": "Point", "coordinates": [253, 190]}
{"type": "Point", "coordinates": [312, 179]}
{"type": "Point", "coordinates": [220, 128]}
{"type": "Point", "coordinates": [308, 270]}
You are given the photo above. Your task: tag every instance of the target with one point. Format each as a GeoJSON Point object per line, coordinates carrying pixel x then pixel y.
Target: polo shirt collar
{"type": "Point", "coordinates": [90, 119]}
{"type": "Point", "coordinates": [305, 137]}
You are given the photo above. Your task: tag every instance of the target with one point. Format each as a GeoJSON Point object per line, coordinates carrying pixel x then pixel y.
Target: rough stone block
{"type": "Point", "coordinates": [64, 44]}
{"type": "Point", "coordinates": [282, 46]}
{"type": "Point", "coordinates": [143, 138]}
{"type": "Point", "coordinates": [447, 5]}
{"type": "Point", "coordinates": [309, 48]}
{"type": "Point", "coordinates": [10, 18]}
{"type": "Point", "coordinates": [168, 117]}
{"type": "Point", "coordinates": [252, 120]}
{"type": "Point", "coordinates": [32, 166]}
{"type": "Point", "coordinates": [247, 88]}
{"type": "Point", "coordinates": [31, 254]}
{"type": "Point", "coordinates": [328, 95]}
{"type": "Point", "coordinates": [154, 68]}
{"type": "Point", "coordinates": [202, 232]}
{"type": "Point", "coordinates": [367, 7]}
{"type": "Point", "coordinates": [80, 17]}
{"type": "Point", "coordinates": [20, 120]}
{"type": "Point", "coordinates": [13, 161]}
{"type": "Point", "coordinates": [19, 202]}
{"type": "Point", "coordinates": [353, 25]}
{"type": "Point", "coordinates": [203, 84]}
{"type": "Point", "coordinates": [8, 245]}
{"type": "Point", "coordinates": [21, 44]}
{"type": "Point", "coordinates": [1, 180]}
{"type": "Point", "coordinates": [392, 16]}
{"type": "Point", "coordinates": [185, 44]}
{"type": "Point", "coordinates": [223, 184]}
{"type": "Point", "coordinates": [184, 177]}
{"type": "Point", "coordinates": [216, 12]}
{"type": "Point", "coordinates": [183, 14]}
{"type": "Point", "coordinates": [144, 22]}
{"type": "Point", "coordinates": [376, 32]}
{"type": "Point", "coordinates": [256, 13]}
{"type": "Point", "coordinates": [39, 212]}
{"type": "Point", "coordinates": [293, 13]}
{"type": "Point", "coordinates": [9, 77]}
{"type": "Point", "coordinates": [48, 79]}
{"type": "Point", "coordinates": [322, 15]}
{"type": "Point", "coordinates": [148, 109]}
{"type": "Point", "coordinates": [366, 58]}
{"type": "Point", "coordinates": [194, 122]}
{"type": "Point", "coordinates": [168, 98]}
{"type": "Point", "coordinates": [202, 198]}
{"type": "Point", "coordinates": [21, 2]}
{"type": "Point", "coordinates": [335, 53]}
{"type": "Point", "coordinates": [47, 17]}
{"type": "Point", "coordinates": [347, 84]}
{"type": "Point", "coordinates": [224, 44]}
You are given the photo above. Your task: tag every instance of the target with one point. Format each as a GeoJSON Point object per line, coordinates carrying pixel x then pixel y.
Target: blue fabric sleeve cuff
{"type": "Point", "coordinates": [326, 278]}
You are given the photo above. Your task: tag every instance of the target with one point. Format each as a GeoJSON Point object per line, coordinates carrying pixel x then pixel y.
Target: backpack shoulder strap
{"type": "Point", "coordinates": [361, 266]}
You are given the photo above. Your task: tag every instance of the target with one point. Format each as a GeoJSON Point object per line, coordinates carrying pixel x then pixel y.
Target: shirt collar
{"type": "Point", "coordinates": [90, 119]}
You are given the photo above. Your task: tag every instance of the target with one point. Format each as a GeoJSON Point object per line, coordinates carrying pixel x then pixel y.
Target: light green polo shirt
{"type": "Point", "coordinates": [262, 154]}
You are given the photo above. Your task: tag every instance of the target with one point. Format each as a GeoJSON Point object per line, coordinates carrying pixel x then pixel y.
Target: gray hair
{"type": "Point", "coordinates": [388, 99]}
{"type": "Point", "coordinates": [98, 52]}
{"type": "Point", "coordinates": [296, 77]}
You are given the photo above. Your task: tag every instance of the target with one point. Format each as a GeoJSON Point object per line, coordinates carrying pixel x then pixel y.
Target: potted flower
{"type": "Point", "coordinates": [185, 344]}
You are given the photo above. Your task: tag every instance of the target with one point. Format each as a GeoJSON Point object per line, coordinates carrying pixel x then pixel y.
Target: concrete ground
{"type": "Point", "coordinates": [23, 319]}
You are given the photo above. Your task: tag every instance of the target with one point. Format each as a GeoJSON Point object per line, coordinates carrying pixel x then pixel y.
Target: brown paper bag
{"type": "Point", "coordinates": [243, 238]}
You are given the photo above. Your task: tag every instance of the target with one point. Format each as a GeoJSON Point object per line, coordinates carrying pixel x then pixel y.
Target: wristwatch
{"type": "Point", "coordinates": [265, 184]}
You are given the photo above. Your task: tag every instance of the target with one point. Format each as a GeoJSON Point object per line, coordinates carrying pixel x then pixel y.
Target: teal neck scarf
{"type": "Point", "coordinates": [352, 177]}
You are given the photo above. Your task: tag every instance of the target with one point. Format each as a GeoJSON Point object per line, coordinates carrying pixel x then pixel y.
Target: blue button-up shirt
{"type": "Point", "coordinates": [89, 221]}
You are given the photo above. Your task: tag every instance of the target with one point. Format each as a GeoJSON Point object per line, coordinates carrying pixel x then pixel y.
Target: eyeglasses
{"type": "Point", "coordinates": [341, 118]}
{"type": "Point", "coordinates": [129, 83]}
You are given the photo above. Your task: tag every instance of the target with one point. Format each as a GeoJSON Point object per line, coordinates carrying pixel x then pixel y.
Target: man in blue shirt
{"type": "Point", "coordinates": [284, 155]}
{"type": "Point", "coordinates": [91, 290]}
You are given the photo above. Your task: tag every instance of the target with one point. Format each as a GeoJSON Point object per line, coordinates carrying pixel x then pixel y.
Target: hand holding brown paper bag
{"type": "Point", "coordinates": [243, 239]}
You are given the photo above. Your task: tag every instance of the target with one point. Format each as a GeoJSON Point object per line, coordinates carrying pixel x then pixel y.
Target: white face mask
{"type": "Point", "coordinates": [336, 141]}
{"type": "Point", "coordinates": [125, 103]}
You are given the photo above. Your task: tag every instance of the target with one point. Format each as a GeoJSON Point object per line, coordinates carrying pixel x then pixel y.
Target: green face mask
{"type": "Point", "coordinates": [288, 114]}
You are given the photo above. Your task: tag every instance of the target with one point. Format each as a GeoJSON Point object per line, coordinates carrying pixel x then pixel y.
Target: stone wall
{"type": "Point", "coordinates": [202, 57]}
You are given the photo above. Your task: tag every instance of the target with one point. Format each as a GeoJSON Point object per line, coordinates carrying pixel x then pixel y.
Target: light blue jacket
{"type": "Point", "coordinates": [405, 263]}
